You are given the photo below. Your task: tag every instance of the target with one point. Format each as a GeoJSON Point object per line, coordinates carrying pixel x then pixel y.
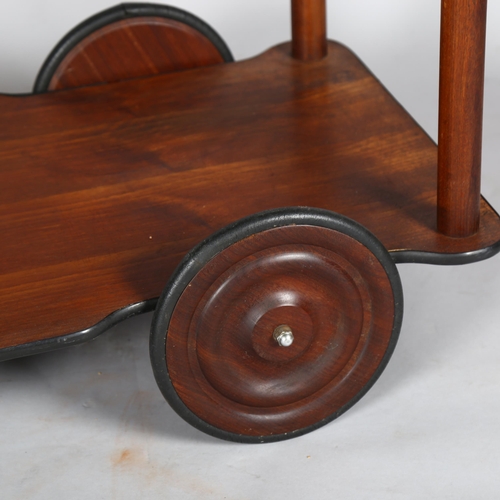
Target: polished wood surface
{"type": "Point", "coordinates": [131, 48]}
{"type": "Point", "coordinates": [309, 41]}
{"type": "Point", "coordinates": [463, 32]}
{"type": "Point", "coordinates": [105, 188]}
{"type": "Point", "coordinates": [327, 287]}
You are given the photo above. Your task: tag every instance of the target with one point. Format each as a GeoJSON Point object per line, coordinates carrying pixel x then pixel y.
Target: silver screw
{"type": "Point", "coordinates": [283, 335]}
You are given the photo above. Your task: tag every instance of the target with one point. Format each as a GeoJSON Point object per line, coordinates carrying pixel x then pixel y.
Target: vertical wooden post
{"type": "Point", "coordinates": [463, 32]}
{"type": "Point", "coordinates": [309, 29]}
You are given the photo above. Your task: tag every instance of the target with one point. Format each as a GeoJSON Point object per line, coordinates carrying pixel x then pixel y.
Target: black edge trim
{"type": "Point", "coordinates": [444, 259]}
{"type": "Point", "coordinates": [119, 13]}
{"type": "Point", "coordinates": [196, 259]}
{"type": "Point", "coordinates": [41, 346]}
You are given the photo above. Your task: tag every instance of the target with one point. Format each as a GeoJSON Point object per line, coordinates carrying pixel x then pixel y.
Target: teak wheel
{"type": "Point", "coordinates": [276, 325]}
{"type": "Point", "coordinates": [130, 41]}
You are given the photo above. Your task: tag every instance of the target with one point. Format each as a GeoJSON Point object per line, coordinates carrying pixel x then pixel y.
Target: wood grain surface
{"type": "Point", "coordinates": [104, 189]}
{"type": "Point", "coordinates": [131, 48]}
{"type": "Point", "coordinates": [326, 286]}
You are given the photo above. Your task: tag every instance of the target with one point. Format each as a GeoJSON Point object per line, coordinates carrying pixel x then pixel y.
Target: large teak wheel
{"type": "Point", "coordinates": [129, 41]}
{"type": "Point", "coordinates": [276, 325]}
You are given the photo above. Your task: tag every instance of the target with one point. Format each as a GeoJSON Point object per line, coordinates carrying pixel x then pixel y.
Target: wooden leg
{"type": "Point", "coordinates": [463, 29]}
{"type": "Point", "coordinates": [309, 29]}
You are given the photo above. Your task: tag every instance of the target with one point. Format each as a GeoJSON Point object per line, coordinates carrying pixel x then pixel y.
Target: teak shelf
{"type": "Point", "coordinates": [106, 188]}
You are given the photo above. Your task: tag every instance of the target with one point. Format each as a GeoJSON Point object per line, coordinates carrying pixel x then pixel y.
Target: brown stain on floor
{"type": "Point", "coordinates": [124, 458]}
{"type": "Point", "coordinates": [136, 458]}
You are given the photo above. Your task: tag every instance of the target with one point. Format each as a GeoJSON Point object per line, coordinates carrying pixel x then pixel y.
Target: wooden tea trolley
{"type": "Point", "coordinates": [301, 176]}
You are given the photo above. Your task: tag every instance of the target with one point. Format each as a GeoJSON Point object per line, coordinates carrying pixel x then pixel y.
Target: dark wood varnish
{"type": "Point", "coordinates": [104, 189]}
{"type": "Point", "coordinates": [131, 48]}
{"type": "Point", "coordinates": [463, 32]}
{"type": "Point", "coordinates": [309, 41]}
{"type": "Point", "coordinates": [221, 356]}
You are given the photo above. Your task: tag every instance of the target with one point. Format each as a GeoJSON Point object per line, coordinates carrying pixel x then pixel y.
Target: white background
{"type": "Point", "coordinates": [89, 422]}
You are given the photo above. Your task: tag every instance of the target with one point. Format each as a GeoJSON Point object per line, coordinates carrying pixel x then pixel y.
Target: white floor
{"type": "Point", "coordinates": [88, 422]}
{"type": "Point", "coordinates": [90, 419]}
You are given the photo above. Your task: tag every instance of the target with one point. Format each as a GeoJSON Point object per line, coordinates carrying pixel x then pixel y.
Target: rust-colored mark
{"type": "Point", "coordinates": [125, 458]}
